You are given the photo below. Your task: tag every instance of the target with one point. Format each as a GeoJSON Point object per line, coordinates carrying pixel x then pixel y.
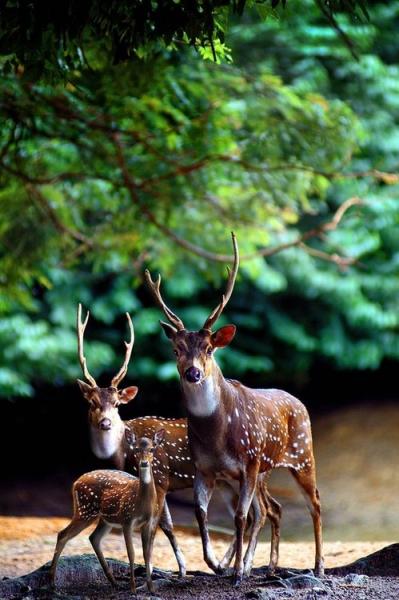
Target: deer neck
{"type": "Point", "coordinates": [205, 400]}
{"type": "Point", "coordinates": [106, 444]}
{"type": "Point", "coordinates": [147, 497]}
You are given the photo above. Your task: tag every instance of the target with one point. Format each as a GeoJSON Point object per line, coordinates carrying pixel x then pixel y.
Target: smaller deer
{"type": "Point", "coordinates": [109, 439]}
{"type": "Point", "coordinates": [118, 500]}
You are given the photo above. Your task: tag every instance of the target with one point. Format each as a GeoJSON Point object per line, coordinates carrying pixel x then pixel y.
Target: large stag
{"type": "Point", "coordinates": [173, 466]}
{"type": "Point", "coordinates": [236, 432]}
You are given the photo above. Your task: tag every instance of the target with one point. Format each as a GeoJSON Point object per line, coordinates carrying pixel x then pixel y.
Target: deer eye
{"type": "Point", "coordinates": [176, 352]}
{"type": "Point", "coordinates": [209, 351]}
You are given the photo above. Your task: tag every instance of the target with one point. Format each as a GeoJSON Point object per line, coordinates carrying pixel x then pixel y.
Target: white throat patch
{"type": "Point", "coordinates": [104, 444]}
{"type": "Point", "coordinates": [145, 475]}
{"type": "Point", "coordinates": [202, 399]}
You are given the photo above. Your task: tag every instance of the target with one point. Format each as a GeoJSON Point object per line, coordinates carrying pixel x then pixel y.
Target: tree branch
{"type": "Point", "coordinates": [53, 218]}
{"type": "Point", "coordinates": [133, 189]}
{"type": "Point", "coordinates": [187, 169]}
{"type": "Point", "coordinates": [341, 261]}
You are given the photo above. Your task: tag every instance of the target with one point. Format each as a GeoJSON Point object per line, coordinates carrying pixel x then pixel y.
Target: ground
{"type": "Point", "coordinates": [27, 543]}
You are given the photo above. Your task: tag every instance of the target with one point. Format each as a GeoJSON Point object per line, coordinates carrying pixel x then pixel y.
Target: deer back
{"type": "Point", "coordinates": [173, 467]}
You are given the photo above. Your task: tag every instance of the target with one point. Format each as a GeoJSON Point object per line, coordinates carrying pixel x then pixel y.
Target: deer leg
{"type": "Point", "coordinates": [259, 517]}
{"type": "Point", "coordinates": [71, 531]}
{"type": "Point", "coordinates": [128, 535]}
{"type": "Point", "coordinates": [273, 512]}
{"type": "Point", "coordinates": [306, 480]}
{"type": "Point", "coordinates": [147, 540]}
{"type": "Point", "coordinates": [247, 489]}
{"type": "Point", "coordinates": [166, 524]}
{"type": "Point", "coordinates": [95, 539]}
{"type": "Point", "coordinates": [230, 497]}
{"type": "Point", "coordinates": [203, 488]}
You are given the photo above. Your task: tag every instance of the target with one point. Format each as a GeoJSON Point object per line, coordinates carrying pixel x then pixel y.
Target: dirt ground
{"type": "Point", "coordinates": [27, 543]}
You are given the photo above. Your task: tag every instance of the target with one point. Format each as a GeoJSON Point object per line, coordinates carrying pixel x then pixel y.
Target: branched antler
{"type": "Point", "coordinates": [215, 314]}
{"type": "Point", "coordinates": [129, 347]}
{"type": "Point", "coordinates": [81, 326]}
{"type": "Point", "coordinates": [156, 292]}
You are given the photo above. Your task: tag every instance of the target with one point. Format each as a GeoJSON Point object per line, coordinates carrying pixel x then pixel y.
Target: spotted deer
{"type": "Point", "coordinates": [234, 431]}
{"type": "Point", "coordinates": [118, 500]}
{"type": "Point", "coordinates": [173, 467]}
{"type": "Point", "coordinates": [108, 434]}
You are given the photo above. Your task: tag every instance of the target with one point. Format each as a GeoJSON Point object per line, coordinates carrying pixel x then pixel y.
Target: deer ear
{"type": "Point", "coordinates": [159, 437]}
{"type": "Point", "coordinates": [85, 388]}
{"type": "Point", "coordinates": [168, 329]}
{"type": "Point", "coordinates": [127, 394]}
{"type": "Point", "coordinates": [223, 336]}
{"type": "Point", "coordinates": [130, 437]}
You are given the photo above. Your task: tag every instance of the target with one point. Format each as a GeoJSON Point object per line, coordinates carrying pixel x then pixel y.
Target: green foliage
{"type": "Point", "coordinates": [346, 316]}
{"type": "Point", "coordinates": [128, 167]}
{"type": "Point", "coordinates": [53, 40]}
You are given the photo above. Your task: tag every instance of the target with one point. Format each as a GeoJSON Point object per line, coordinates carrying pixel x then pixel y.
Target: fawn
{"type": "Point", "coordinates": [118, 500]}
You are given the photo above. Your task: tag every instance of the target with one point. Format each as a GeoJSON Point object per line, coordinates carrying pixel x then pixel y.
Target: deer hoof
{"type": "Point", "coordinates": [319, 571]}
{"type": "Point", "coordinates": [237, 578]}
{"type": "Point", "coordinates": [270, 570]}
{"type": "Point", "coordinates": [216, 567]}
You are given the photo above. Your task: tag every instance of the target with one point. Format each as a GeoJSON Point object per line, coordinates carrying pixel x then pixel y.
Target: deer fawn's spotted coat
{"type": "Point", "coordinates": [117, 499]}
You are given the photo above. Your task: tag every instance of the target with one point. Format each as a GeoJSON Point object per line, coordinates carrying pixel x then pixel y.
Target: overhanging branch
{"type": "Point", "coordinates": [330, 225]}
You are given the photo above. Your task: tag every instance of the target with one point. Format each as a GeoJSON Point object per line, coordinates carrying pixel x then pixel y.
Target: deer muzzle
{"type": "Point", "coordinates": [105, 424]}
{"type": "Point", "coordinates": [193, 375]}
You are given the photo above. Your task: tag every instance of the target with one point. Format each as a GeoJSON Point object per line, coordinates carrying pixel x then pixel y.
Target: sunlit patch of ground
{"type": "Point", "coordinates": [26, 543]}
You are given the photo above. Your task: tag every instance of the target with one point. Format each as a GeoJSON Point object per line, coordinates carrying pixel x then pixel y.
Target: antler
{"type": "Point", "coordinates": [81, 330]}
{"type": "Point", "coordinates": [129, 346]}
{"type": "Point", "coordinates": [215, 314]}
{"type": "Point", "coordinates": [155, 289]}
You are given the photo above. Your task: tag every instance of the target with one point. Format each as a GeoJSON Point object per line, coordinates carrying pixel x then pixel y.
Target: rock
{"type": "Point", "coordinates": [384, 563]}
{"type": "Point", "coordinates": [320, 590]}
{"type": "Point", "coordinates": [76, 571]}
{"type": "Point", "coordinates": [260, 593]}
{"type": "Point", "coordinates": [356, 580]}
{"type": "Point", "coordinates": [300, 582]}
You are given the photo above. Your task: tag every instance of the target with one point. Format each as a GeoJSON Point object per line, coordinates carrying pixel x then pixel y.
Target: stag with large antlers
{"type": "Point", "coordinates": [236, 432]}
{"type": "Point", "coordinates": [173, 466]}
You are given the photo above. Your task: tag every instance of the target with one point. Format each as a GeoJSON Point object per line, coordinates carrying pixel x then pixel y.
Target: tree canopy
{"type": "Point", "coordinates": [294, 147]}
{"type": "Point", "coordinates": [48, 39]}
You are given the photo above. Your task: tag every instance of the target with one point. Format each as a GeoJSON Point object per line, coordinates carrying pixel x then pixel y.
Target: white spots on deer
{"type": "Point", "coordinates": [275, 429]}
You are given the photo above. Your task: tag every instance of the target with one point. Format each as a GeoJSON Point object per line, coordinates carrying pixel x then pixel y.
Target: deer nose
{"type": "Point", "coordinates": [105, 424]}
{"type": "Point", "coordinates": [144, 463]}
{"type": "Point", "coordinates": [193, 375]}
